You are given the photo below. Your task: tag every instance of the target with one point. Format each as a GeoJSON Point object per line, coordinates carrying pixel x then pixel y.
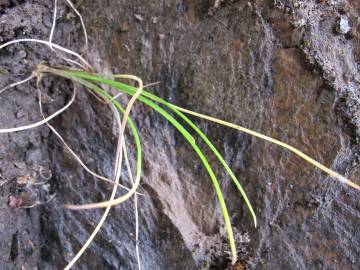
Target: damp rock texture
{"type": "Point", "coordinates": [288, 69]}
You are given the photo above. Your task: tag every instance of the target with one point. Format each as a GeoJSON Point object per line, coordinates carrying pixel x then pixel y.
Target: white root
{"type": "Point", "coordinates": [77, 158]}
{"type": "Point", "coordinates": [39, 123]}
{"type": "Point", "coordinates": [47, 43]}
{"type": "Point", "coordinates": [112, 201]}
{"type": "Point", "coordinates": [82, 23]}
{"type": "Point", "coordinates": [17, 83]}
{"type": "Point", "coordinates": [121, 140]}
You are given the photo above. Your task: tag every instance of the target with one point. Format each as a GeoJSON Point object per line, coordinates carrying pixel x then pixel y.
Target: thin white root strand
{"type": "Point", "coordinates": [37, 203]}
{"type": "Point", "coordinates": [77, 158]}
{"type": "Point", "coordinates": [151, 84]}
{"type": "Point", "coordinates": [53, 24]}
{"type": "Point", "coordinates": [137, 248]}
{"type": "Point", "coordinates": [75, 63]}
{"type": "Point", "coordinates": [117, 172]}
{"type": "Point", "coordinates": [110, 203]}
{"type": "Point", "coordinates": [17, 83]}
{"type": "Point", "coordinates": [71, 61]}
{"type": "Point", "coordinates": [37, 124]}
{"type": "Point", "coordinates": [82, 164]}
{"type": "Point", "coordinates": [82, 22]}
{"type": "Point", "coordinates": [3, 181]}
{"type": "Point", "coordinates": [47, 43]}
{"type": "Point", "coordinates": [127, 163]}
{"type": "Point", "coordinates": [117, 96]}
{"type": "Point", "coordinates": [133, 189]}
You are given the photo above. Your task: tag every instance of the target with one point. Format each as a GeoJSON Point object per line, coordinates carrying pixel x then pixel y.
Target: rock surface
{"type": "Point", "coordinates": [279, 67]}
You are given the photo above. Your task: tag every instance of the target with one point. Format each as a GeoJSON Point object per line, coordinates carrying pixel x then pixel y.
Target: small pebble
{"type": "Point", "coordinates": [22, 54]}
{"type": "Point", "coordinates": [138, 17]}
{"type": "Point", "coordinates": [154, 20]}
{"type": "Point", "coordinates": [20, 164]}
{"type": "Point", "coordinates": [20, 114]}
{"type": "Point", "coordinates": [15, 202]}
{"type": "Point", "coordinates": [343, 27]}
{"type": "Point", "coordinates": [22, 180]}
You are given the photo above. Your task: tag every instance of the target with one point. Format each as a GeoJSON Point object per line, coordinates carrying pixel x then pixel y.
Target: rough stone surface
{"type": "Point", "coordinates": [278, 67]}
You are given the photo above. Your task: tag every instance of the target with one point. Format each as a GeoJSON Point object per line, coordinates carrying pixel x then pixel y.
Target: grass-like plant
{"type": "Point", "coordinates": [86, 79]}
{"type": "Point", "coordinates": [93, 82]}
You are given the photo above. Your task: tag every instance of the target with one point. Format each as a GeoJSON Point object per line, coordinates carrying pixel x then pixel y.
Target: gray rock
{"type": "Point", "coordinates": [278, 69]}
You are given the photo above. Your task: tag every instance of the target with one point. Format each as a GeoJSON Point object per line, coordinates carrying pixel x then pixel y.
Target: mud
{"type": "Point", "coordinates": [283, 68]}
